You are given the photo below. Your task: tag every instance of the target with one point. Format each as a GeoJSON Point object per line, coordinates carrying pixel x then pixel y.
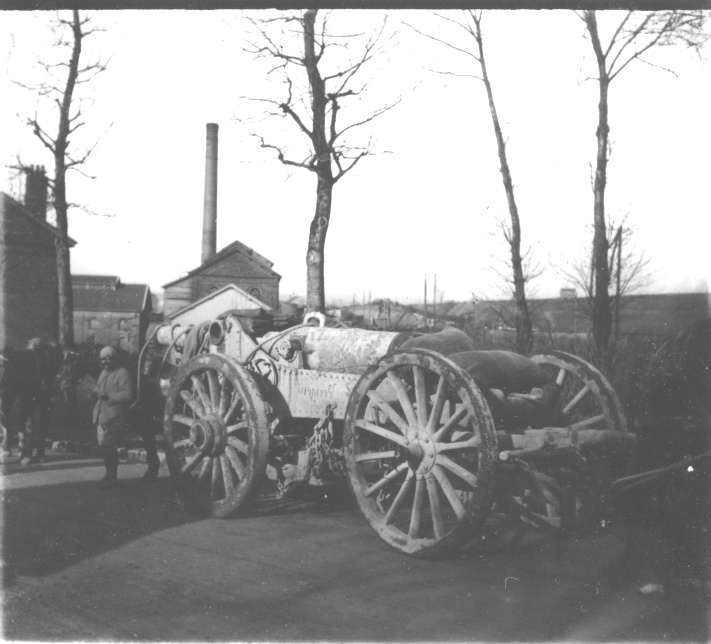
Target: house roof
{"type": "Point", "coordinates": [122, 298]}
{"type": "Point", "coordinates": [234, 247]}
{"type": "Point", "coordinates": [211, 296]}
{"type": "Point", "coordinates": [10, 205]}
{"type": "Point", "coordinates": [89, 281]}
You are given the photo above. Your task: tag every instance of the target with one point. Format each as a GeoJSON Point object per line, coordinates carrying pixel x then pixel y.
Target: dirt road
{"type": "Point", "coordinates": [127, 564]}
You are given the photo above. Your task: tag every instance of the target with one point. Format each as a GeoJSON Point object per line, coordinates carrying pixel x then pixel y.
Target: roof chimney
{"type": "Point", "coordinates": [209, 211]}
{"type": "Point", "coordinates": [36, 191]}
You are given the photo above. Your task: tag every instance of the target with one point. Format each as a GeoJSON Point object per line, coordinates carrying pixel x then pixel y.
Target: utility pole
{"type": "Point", "coordinates": [618, 240]}
{"type": "Point", "coordinates": [425, 300]}
{"type": "Point", "coordinates": [434, 301]}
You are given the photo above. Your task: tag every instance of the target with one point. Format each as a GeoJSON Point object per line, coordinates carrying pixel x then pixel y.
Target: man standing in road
{"type": "Point", "coordinates": [113, 396]}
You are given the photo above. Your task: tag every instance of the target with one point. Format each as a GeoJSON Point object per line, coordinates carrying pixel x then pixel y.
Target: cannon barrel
{"type": "Point", "coordinates": [166, 334]}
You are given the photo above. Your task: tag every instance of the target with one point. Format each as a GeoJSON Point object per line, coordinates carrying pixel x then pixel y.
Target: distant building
{"type": "Point", "coordinates": [228, 298]}
{"type": "Point", "coordinates": [235, 264]}
{"type": "Point", "coordinates": [641, 315]}
{"type": "Point", "coordinates": [29, 302]}
{"type": "Point", "coordinates": [107, 311]}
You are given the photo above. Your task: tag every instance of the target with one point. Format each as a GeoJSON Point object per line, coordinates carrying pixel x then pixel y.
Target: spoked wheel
{"type": "Point", "coordinates": [566, 492]}
{"type": "Point", "coordinates": [420, 447]}
{"type": "Point", "coordinates": [579, 396]}
{"type": "Point", "coordinates": [216, 435]}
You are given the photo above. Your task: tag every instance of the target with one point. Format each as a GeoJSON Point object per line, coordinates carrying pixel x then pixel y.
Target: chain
{"type": "Point", "coordinates": [325, 462]}
{"type": "Point", "coordinates": [324, 459]}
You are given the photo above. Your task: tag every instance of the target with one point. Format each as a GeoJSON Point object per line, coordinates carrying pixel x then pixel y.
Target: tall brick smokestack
{"type": "Point", "coordinates": [209, 211]}
{"type": "Point", "coordinates": [36, 191]}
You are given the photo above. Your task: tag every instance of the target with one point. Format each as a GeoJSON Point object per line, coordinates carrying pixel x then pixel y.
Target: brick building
{"type": "Point", "coordinates": [107, 311]}
{"type": "Point", "coordinates": [235, 264]}
{"type": "Point", "coordinates": [29, 303]}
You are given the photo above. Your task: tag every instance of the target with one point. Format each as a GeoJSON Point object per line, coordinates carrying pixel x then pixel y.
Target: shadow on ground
{"type": "Point", "coordinates": [49, 527]}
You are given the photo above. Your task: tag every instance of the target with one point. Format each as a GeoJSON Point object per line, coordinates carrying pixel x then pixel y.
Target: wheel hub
{"type": "Point", "coordinates": [209, 435]}
{"type": "Point", "coordinates": [420, 450]}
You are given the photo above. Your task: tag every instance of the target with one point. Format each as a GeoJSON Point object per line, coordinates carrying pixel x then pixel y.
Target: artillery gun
{"type": "Point", "coordinates": [436, 440]}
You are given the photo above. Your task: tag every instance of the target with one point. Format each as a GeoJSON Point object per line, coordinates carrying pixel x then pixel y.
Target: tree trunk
{"type": "Point", "coordinates": [315, 284]}
{"type": "Point", "coordinates": [524, 327]}
{"type": "Point", "coordinates": [601, 314]}
{"type": "Point", "coordinates": [64, 273]}
{"type": "Point", "coordinates": [315, 255]}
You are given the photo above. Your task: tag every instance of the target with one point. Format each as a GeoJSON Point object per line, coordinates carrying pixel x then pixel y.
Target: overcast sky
{"type": "Point", "coordinates": [427, 204]}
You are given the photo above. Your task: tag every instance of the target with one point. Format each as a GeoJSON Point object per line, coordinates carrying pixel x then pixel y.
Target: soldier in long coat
{"type": "Point", "coordinates": [113, 394]}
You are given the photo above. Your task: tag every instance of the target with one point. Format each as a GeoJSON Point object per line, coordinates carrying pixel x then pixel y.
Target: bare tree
{"type": "Point", "coordinates": [314, 108]}
{"type": "Point", "coordinates": [59, 91]}
{"type": "Point", "coordinates": [633, 38]}
{"type": "Point", "coordinates": [471, 24]}
{"type": "Point", "coordinates": [629, 270]}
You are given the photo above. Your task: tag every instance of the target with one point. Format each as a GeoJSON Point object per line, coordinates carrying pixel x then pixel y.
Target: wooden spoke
{"type": "Point", "coordinates": [199, 388]}
{"type": "Point", "coordinates": [472, 443]}
{"type": "Point", "coordinates": [380, 431]}
{"type": "Point", "coordinates": [560, 378]}
{"type": "Point", "coordinates": [192, 462]}
{"type": "Point", "coordinates": [449, 492]}
{"type": "Point", "coordinates": [420, 396]}
{"type": "Point", "coordinates": [399, 498]}
{"type": "Point", "coordinates": [416, 515]}
{"type": "Point", "coordinates": [437, 405]}
{"type": "Point", "coordinates": [386, 479]}
{"type": "Point", "coordinates": [194, 404]}
{"type": "Point", "coordinates": [437, 523]}
{"type": "Point", "coordinates": [578, 397]}
{"type": "Point", "coordinates": [224, 399]}
{"type": "Point", "coordinates": [453, 421]}
{"type": "Point", "coordinates": [236, 427]}
{"type": "Point", "coordinates": [183, 420]}
{"type": "Point", "coordinates": [239, 445]}
{"type": "Point", "coordinates": [214, 390]}
{"type": "Point", "coordinates": [216, 477]}
{"type": "Point", "coordinates": [385, 407]}
{"type": "Point", "coordinates": [235, 403]}
{"type": "Point", "coordinates": [205, 470]}
{"type": "Point", "coordinates": [374, 456]}
{"type": "Point", "coordinates": [233, 457]}
{"type": "Point", "coordinates": [587, 422]}
{"type": "Point", "coordinates": [227, 475]}
{"type": "Point", "coordinates": [456, 469]}
{"type": "Point", "coordinates": [403, 398]}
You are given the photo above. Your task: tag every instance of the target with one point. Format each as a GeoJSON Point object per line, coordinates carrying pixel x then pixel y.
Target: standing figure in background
{"type": "Point", "coordinates": [113, 395]}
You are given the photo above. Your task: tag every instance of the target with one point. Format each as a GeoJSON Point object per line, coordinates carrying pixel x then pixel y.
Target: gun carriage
{"type": "Point", "coordinates": [436, 440]}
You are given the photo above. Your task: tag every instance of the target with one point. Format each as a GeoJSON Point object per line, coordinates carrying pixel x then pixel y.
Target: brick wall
{"type": "Point", "coordinates": [121, 330]}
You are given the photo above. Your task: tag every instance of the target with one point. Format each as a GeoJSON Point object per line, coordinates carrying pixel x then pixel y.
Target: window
{"type": "Point", "coordinates": [255, 292]}
{"type": "Point", "coordinates": [123, 324]}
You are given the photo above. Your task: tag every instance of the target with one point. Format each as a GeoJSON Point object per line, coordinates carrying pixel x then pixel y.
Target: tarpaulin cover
{"type": "Point", "coordinates": [445, 342]}
{"type": "Point", "coordinates": [503, 370]}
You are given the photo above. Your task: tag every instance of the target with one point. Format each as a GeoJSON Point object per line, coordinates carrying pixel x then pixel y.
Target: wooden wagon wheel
{"type": "Point", "coordinates": [567, 493]}
{"type": "Point", "coordinates": [216, 434]}
{"type": "Point", "coordinates": [579, 396]}
{"type": "Point", "coordinates": [420, 446]}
